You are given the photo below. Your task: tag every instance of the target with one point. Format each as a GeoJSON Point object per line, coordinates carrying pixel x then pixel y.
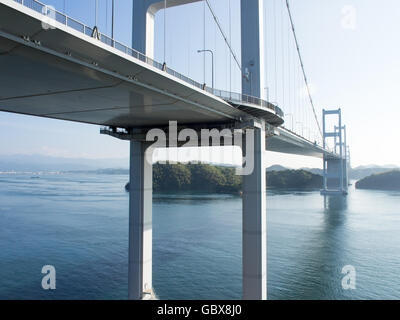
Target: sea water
{"type": "Point", "coordinates": [78, 223]}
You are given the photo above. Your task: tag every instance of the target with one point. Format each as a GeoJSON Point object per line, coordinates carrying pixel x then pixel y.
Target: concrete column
{"type": "Point", "coordinates": [341, 169]}
{"type": "Point", "coordinates": [143, 26]}
{"type": "Point", "coordinates": [346, 160]}
{"type": "Point", "coordinates": [140, 223]}
{"type": "Point", "coordinates": [334, 174]}
{"type": "Point", "coordinates": [254, 230]}
{"type": "Point", "coordinates": [324, 178]}
{"type": "Point", "coordinates": [325, 184]}
{"type": "Point", "coordinates": [252, 28]}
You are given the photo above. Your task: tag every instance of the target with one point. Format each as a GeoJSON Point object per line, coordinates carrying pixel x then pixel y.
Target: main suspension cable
{"type": "Point", "coordinates": [223, 35]}
{"type": "Point", "coordinates": [230, 40]}
{"type": "Point", "coordinates": [204, 41]}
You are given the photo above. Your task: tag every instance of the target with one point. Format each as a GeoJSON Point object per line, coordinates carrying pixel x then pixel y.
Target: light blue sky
{"type": "Point", "coordinates": [354, 66]}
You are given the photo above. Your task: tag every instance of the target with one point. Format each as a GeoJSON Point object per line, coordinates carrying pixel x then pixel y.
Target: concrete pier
{"type": "Point", "coordinates": [254, 228]}
{"type": "Point", "coordinates": [140, 222]}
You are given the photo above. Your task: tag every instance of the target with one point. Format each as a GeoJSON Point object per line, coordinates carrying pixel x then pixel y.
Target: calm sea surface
{"type": "Point", "coordinates": [79, 224]}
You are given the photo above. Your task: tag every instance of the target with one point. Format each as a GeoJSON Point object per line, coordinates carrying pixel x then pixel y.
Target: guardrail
{"type": "Point", "coordinates": [243, 98]}
{"type": "Point", "coordinates": [79, 26]}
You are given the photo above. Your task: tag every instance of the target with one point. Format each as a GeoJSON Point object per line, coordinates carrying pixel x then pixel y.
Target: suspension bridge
{"type": "Point", "coordinates": [57, 67]}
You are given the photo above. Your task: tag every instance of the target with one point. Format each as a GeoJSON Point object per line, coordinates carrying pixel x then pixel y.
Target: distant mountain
{"type": "Point", "coordinates": [365, 171]}
{"type": "Point", "coordinates": [276, 167]}
{"type": "Point", "coordinates": [40, 163]}
{"type": "Point", "coordinates": [383, 181]}
{"type": "Point", "coordinates": [112, 171]}
{"type": "Point", "coordinates": [314, 170]}
{"type": "Point", "coordinates": [35, 163]}
{"type": "Point", "coordinates": [372, 166]}
{"type": "Point", "coordinates": [358, 172]}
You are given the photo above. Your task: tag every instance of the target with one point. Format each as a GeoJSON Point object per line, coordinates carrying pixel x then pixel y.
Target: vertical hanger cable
{"type": "Point", "coordinates": [165, 30]}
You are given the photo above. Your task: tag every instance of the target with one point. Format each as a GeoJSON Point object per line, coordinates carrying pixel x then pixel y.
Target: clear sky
{"type": "Point", "coordinates": [351, 54]}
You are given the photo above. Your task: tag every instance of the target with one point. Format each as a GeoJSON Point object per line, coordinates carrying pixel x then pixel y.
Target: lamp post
{"type": "Point", "coordinates": [96, 13]}
{"type": "Point", "coordinates": [113, 16]}
{"type": "Point", "coordinates": [267, 92]}
{"type": "Point", "coordinates": [309, 133]}
{"type": "Point", "coordinates": [302, 127]}
{"type": "Point", "coordinates": [212, 62]}
{"type": "Point", "coordinates": [291, 116]}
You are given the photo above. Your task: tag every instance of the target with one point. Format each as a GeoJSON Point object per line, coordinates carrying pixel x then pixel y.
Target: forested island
{"type": "Point", "coordinates": [207, 178]}
{"type": "Point", "coordinates": [383, 181]}
{"type": "Point", "coordinates": [294, 179]}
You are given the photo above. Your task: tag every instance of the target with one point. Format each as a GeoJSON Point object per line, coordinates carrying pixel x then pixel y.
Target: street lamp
{"type": "Point", "coordinates": [309, 133]}
{"type": "Point", "coordinates": [113, 17]}
{"type": "Point", "coordinates": [291, 116]}
{"type": "Point", "coordinates": [302, 127]}
{"type": "Point", "coordinates": [96, 13]}
{"type": "Point", "coordinates": [267, 92]}
{"type": "Point", "coordinates": [212, 62]}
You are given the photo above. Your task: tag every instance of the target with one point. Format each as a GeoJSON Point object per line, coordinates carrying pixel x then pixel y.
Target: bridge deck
{"type": "Point", "coordinates": [285, 141]}
{"type": "Point", "coordinates": [63, 73]}
{"type": "Point", "coordinates": [72, 76]}
{"type": "Point", "coordinates": [114, 85]}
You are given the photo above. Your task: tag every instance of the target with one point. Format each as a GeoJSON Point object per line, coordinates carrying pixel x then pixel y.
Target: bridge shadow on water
{"type": "Point", "coordinates": [335, 203]}
{"type": "Point", "coordinates": [334, 249]}
{"type": "Point", "coordinates": [330, 254]}
{"type": "Point", "coordinates": [316, 273]}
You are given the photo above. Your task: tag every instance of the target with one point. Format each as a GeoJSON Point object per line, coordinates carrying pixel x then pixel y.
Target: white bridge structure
{"type": "Point", "coordinates": [53, 66]}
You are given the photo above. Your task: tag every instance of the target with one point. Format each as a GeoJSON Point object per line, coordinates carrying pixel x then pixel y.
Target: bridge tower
{"type": "Point", "coordinates": [254, 216]}
{"type": "Point", "coordinates": [254, 194]}
{"type": "Point", "coordinates": [335, 170]}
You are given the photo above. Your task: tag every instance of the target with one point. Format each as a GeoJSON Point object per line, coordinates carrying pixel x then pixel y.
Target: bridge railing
{"type": "Point", "coordinates": [80, 27]}
{"type": "Point", "coordinates": [244, 98]}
